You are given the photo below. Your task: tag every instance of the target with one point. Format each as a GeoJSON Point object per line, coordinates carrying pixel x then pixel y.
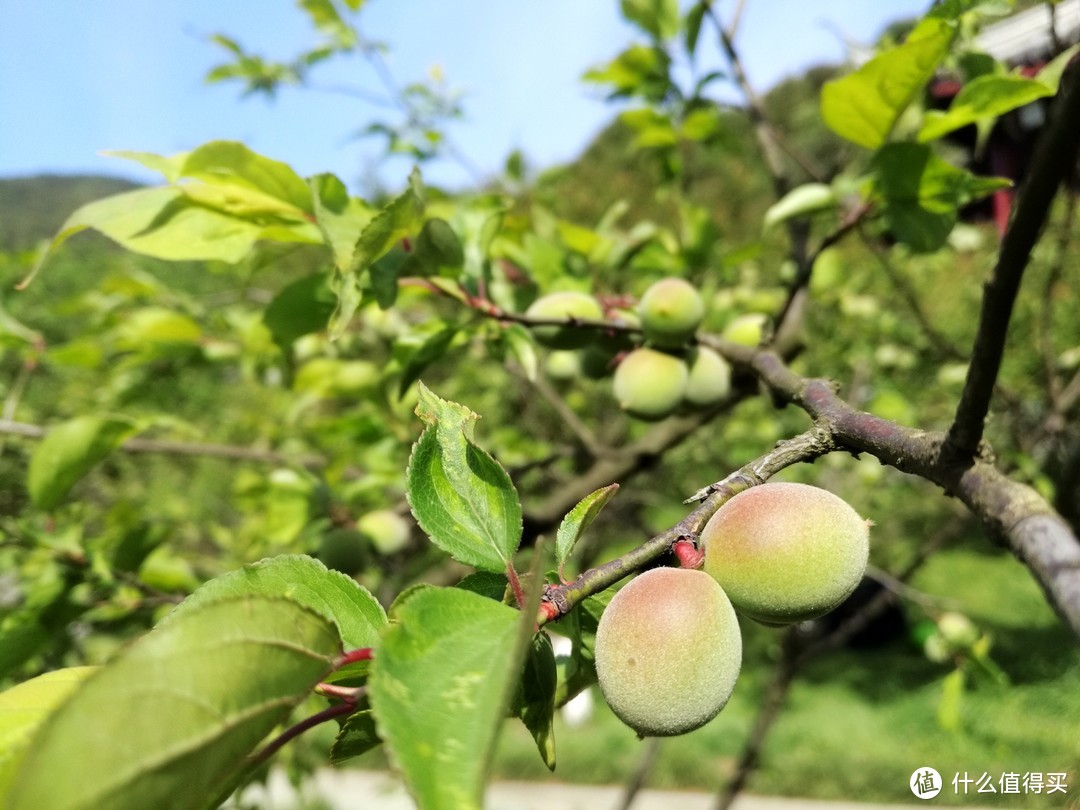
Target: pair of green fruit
{"type": "Point", "coordinates": [668, 648]}
{"type": "Point", "coordinates": [651, 382]}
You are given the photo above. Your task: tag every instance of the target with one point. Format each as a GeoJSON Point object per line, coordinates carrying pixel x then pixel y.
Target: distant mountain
{"type": "Point", "coordinates": [33, 208]}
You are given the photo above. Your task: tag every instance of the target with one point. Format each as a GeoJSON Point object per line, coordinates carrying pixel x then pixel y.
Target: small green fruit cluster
{"type": "Point", "coordinates": [786, 552]}
{"type": "Point", "coordinates": [652, 381]}
{"type": "Point", "coordinates": [668, 651]}
{"type": "Point", "coordinates": [651, 384]}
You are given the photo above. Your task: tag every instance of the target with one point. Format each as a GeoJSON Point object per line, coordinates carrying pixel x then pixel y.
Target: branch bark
{"type": "Point", "coordinates": [1009, 510]}
{"type": "Point", "coordinates": [165, 447]}
{"type": "Point", "coordinates": [1056, 148]}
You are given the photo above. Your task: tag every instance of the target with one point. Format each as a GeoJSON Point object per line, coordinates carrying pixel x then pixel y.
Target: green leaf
{"type": "Point", "coordinates": [535, 703]}
{"type": "Point", "coordinates": [922, 193]}
{"type": "Point", "coordinates": [952, 695]}
{"type": "Point", "coordinates": [69, 451]}
{"type": "Point", "coordinates": [658, 18]}
{"type": "Point", "coordinates": [983, 98]}
{"type": "Point", "coordinates": [303, 307]}
{"type": "Point", "coordinates": [170, 722]}
{"type": "Point", "coordinates": [461, 497]}
{"type": "Point", "coordinates": [149, 326]}
{"type": "Point", "coordinates": [640, 70]}
{"type": "Point", "coordinates": [578, 520]}
{"type": "Point", "coordinates": [394, 222]}
{"type": "Point", "coordinates": [485, 583]}
{"type": "Point", "coordinates": [230, 163]}
{"type": "Point", "coordinates": [692, 26]}
{"type": "Point", "coordinates": [169, 166]}
{"type": "Point", "coordinates": [339, 217]}
{"type": "Point", "coordinates": [440, 689]}
{"type": "Point", "coordinates": [810, 198]}
{"type": "Point", "coordinates": [357, 736]}
{"type": "Point", "coordinates": [23, 709]}
{"type": "Point", "coordinates": [358, 616]}
{"type": "Point", "coordinates": [865, 105]}
{"type": "Point", "coordinates": [429, 351]}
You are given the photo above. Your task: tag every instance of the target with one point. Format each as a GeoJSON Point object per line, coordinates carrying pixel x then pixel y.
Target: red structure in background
{"type": "Point", "coordinates": [1028, 41]}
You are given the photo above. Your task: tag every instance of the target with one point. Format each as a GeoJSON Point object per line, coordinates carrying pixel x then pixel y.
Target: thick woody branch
{"type": "Point", "coordinates": [1009, 510]}
{"type": "Point", "coordinates": [1056, 148]}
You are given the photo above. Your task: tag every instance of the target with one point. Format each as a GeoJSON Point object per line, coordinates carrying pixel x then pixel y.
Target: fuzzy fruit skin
{"type": "Point", "coordinates": [710, 378]}
{"type": "Point", "coordinates": [746, 330]}
{"type": "Point", "coordinates": [649, 384]}
{"type": "Point", "coordinates": [668, 652]}
{"type": "Point", "coordinates": [565, 305]}
{"type": "Point", "coordinates": [786, 552]}
{"type": "Point", "coordinates": [671, 311]}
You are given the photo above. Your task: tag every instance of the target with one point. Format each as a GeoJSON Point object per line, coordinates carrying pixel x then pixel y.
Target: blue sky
{"type": "Point", "coordinates": [77, 78]}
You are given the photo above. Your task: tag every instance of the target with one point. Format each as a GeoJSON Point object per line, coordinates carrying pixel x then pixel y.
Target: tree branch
{"type": "Point", "coordinates": [560, 599]}
{"type": "Point", "coordinates": [164, 447]}
{"type": "Point", "coordinates": [1057, 147]}
{"type": "Point", "coordinates": [1009, 510]}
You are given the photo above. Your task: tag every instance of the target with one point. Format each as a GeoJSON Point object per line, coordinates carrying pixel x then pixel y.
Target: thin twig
{"type": "Point", "coordinates": [560, 599]}
{"type": "Point", "coordinates": [641, 772]}
{"type": "Point", "coordinates": [566, 414]}
{"type": "Point", "coordinates": [182, 448]}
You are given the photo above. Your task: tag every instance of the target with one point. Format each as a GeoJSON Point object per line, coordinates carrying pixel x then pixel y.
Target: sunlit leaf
{"type": "Point", "coordinates": [233, 163]}
{"type": "Point", "coordinates": [69, 451]}
{"type": "Point", "coordinates": [577, 521]}
{"type": "Point", "coordinates": [980, 99]}
{"type": "Point", "coordinates": [396, 220]}
{"type": "Point", "coordinates": [865, 105]}
{"type": "Point", "coordinates": [810, 198]}
{"type": "Point", "coordinates": [340, 218]}
{"type": "Point", "coordinates": [23, 709]}
{"type": "Point", "coordinates": [358, 615]}
{"type": "Point", "coordinates": [170, 722]}
{"type": "Point", "coordinates": [440, 688]}
{"type": "Point", "coordinates": [461, 497]}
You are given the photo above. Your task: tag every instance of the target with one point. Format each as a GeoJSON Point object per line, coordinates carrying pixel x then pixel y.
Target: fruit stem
{"type": "Point", "coordinates": [688, 554]}
{"type": "Point", "coordinates": [352, 656]}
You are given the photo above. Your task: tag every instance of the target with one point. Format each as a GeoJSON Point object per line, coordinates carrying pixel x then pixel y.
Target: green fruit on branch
{"type": "Point", "coordinates": [710, 378]}
{"type": "Point", "coordinates": [668, 652]}
{"type": "Point", "coordinates": [563, 365]}
{"type": "Point", "coordinates": [650, 384]}
{"type": "Point", "coordinates": [571, 305]}
{"type": "Point", "coordinates": [387, 530]}
{"type": "Point", "coordinates": [786, 552]}
{"type": "Point", "coordinates": [746, 330]}
{"type": "Point", "coordinates": [671, 311]}
{"type": "Point", "coordinates": [957, 629]}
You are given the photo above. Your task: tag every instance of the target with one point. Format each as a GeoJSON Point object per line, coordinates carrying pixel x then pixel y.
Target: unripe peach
{"type": "Point", "coordinates": [565, 305]}
{"type": "Point", "coordinates": [786, 552]}
{"type": "Point", "coordinates": [668, 651]}
{"type": "Point", "coordinates": [671, 311]}
{"type": "Point", "coordinates": [710, 378]}
{"type": "Point", "coordinates": [649, 384]}
{"type": "Point", "coordinates": [386, 529]}
{"type": "Point", "coordinates": [562, 365]}
{"type": "Point", "coordinates": [746, 330]}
